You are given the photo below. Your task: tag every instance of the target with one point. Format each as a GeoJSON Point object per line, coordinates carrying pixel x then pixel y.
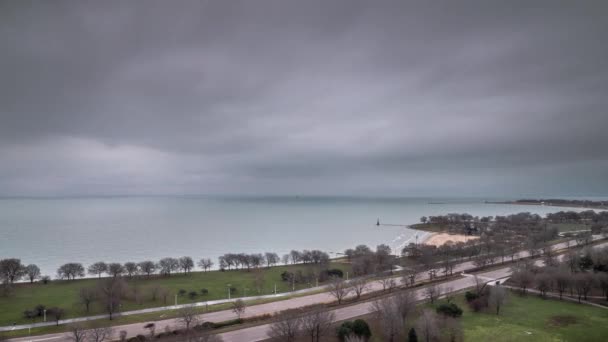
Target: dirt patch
{"type": "Point", "coordinates": [562, 321]}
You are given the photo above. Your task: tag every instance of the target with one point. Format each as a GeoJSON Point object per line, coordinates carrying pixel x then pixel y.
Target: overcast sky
{"type": "Point", "coordinates": [403, 98]}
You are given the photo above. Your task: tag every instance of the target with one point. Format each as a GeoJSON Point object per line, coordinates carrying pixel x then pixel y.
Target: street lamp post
{"type": "Point", "coordinates": [44, 314]}
{"type": "Point", "coordinates": [228, 285]}
{"type": "Point", "coordinates": [176, 300]}
{"type": "Point", "coordinates": [275, 288]}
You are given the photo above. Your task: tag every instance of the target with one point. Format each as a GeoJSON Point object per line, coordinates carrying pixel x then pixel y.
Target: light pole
{"type": "Point", "coordinates": [176, 300]}
{"type": "Point", "coordinates": [44, 311]}
{"type": "Point", "coordinates": [228, 285]}
{"type": "Point", "coordinates": [275, 289]}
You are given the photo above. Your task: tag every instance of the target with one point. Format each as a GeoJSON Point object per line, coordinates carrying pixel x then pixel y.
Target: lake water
{"type": "Point", "coordinates": [50, 232]}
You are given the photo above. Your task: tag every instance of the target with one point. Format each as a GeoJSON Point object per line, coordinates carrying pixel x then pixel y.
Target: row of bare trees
{"type": "Point", "coordinates": [577, 274]}
{"type": "Point", "coordinates": [289, 326]}
{"type": "Point", "coordinates": [12, 270]}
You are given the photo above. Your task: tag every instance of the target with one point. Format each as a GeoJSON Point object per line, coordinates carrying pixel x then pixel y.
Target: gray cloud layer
{"type": "Point", "coordinates": [284, 97]}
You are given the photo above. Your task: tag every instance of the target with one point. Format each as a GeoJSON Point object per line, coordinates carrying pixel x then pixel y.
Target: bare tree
{"type": "Point", "coordinates": [70, 271]}
{"type": "Point", "coordinates": [100, 334]}
{"type": "Point", "coordinates": [187, 316]}
{"type": "Point", "coordinates": [562, 281]}
{"type": "Point", "coordinates": [147, 267]}
{"type": "Point", "coordinates": [359, 285]}
{"type": "Point", "coordinates": [338, 288]}
{"type": "Point", "coordinates": [239, 307]}
{"type": "Point", "coordinates": [131, 268]}
{"type": "Point", "coordinates": [409, 277]}
{"type": "Point", "coordinates": [168, 265]}
{"type": "Point", "coordinates": [286, 327]}
{"type": "Point", "coordinates": [77, 333]}
{"type": "Point", "coordinates": [32, 272]}
{"type": "Point", "coordinates": [271, 258]}
{"type": "Point", "coordinates": [452, 330]}
{"type": "Point", "coordinates": [115, 269]}
{"type": "Point", "coordinates": [317, 324]}
{"type": "Point", "coordinates": [86, 296]}
{"type": "Point", "coordinates": [186, 264]}
{"type": "Point", "coordinates": [387, 312]}
{"type": "Point", "coordinates": [583, 283]}
{"type": "Point", "coordinates": [57, 313]}
{"type": "Point", "coordinates": [98, 269]}
{"type": "Point", "coordinates": [427, 326]}
{"type": "Point", "coordinates": [602, 282]}
{"type": "Point", "coordinates": [205, 264]}
{"type": "Point", "coordinates": [296, 256]}
{"type": "Point", "coordinates": [523, 279]}
{"type": "Point", "coordinates": [388, 284]}
{"type": "Point", "coordinates": [111, 291]}
{"type": "Point", "coordinates": [406, 303]}
{"type": "Point", "coordinates": [11, 270]}
{"type": "Point", "coordinates": [432, 292]}
{"type": "Point", "coordinates": [498, 296]}
{"type": "Point", "coordinates": [544, 283]}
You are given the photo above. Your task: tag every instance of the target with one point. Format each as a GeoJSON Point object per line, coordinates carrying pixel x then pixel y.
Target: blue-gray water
{"type": "Point", "coordinates": [50, 232]}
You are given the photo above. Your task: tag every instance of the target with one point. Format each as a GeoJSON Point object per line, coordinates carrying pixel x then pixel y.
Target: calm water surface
{"type": "Point", "coordinates": [50, 232]}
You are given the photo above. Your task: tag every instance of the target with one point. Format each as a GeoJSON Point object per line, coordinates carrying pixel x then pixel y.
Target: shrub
{"type": "Point", "coordinates": [39, 310]}
{"type": "Point", "coordinates": [477, 304]}
{"type": "Point", "coordinates": [286, 276]}
{"type": "Point", "coordinates": [45, 279]}
{"type": "Point", "coordinates": [361, 329]}
{"type": "Point", "coordinates": [450, 309]}
{"type": "Point", "coordinates": [334, 272]}
{"type": "Point", "coordinates": [204, 292]}
{"type": "Point", "coordinates": [30, 314]}
{"type": "Point", "coordinates": [232, 290]}
{"type": "Point", "coordinates": [411, 336]}
{"type": "Point", "coordinates": [182, 292]}
{"type": "Point", "coordinates": [470, 296]}
{"type": "Point", "coordinates": [192, 294]}
{"type": "Point", "coordinates": [345, 330]}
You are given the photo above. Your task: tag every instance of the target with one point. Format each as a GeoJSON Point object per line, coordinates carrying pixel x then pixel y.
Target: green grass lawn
{"type": "Point", "coordinates": [64, 294]}
{"type": "Point", "coordinates": [569, 227]}
{"type": "Point", "coordinates": [533, 319]}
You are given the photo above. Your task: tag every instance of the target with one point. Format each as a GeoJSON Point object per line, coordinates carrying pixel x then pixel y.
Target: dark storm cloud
{"type": "Point", "coordinates": [384, 97]}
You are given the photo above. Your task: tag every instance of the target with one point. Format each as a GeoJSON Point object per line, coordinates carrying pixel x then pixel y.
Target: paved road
{"type": "Point", "coordinates": [249, 334]}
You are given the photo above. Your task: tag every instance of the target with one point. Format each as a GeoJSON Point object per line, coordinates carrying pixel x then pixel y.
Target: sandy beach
{"type": "Point", "coordinates": [438, 239]}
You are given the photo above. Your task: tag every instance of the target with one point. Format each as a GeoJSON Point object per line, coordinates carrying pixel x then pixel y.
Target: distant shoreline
{"type": "Point", "coordinates": [590, 205]}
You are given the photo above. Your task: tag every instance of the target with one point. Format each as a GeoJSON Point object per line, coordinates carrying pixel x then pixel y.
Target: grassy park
{"type": "Point", "coordinates": [64, 294]}
{"type": "Point", "coordinates": [531, 318]}
{"type": "Point", "coordinates": [527, 318]}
